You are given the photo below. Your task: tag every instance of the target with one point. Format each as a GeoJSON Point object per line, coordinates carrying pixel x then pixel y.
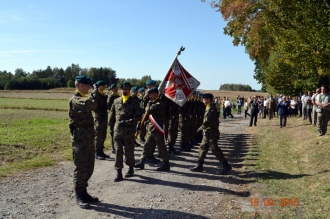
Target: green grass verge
{"type": "Point", "coordinates": [33, 138]}
{"type": "Point", "coordinates": [292, 163]}
{"type": "Point", "coordinates": [16, 103]}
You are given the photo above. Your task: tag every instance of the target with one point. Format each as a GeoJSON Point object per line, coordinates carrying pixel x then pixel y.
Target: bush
{"type": "Point", "coordinates": [70, 83]}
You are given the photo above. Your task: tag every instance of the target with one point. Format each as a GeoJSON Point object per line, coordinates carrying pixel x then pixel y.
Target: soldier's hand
{"type": "Point", "coordinates": [138, 126]}
{"type": "Point", "coordinates": [122, 123]}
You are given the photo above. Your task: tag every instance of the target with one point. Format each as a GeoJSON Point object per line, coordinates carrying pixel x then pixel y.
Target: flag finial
{"type": "Point", "coordinates": [180, 50]}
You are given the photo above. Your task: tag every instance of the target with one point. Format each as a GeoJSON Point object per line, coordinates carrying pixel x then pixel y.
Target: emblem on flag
{"type": "Point", "coordinates": [178, 85]}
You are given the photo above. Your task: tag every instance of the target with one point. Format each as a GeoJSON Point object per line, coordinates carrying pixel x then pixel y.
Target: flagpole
{"type": "Point", "coordinates": [177, 54]}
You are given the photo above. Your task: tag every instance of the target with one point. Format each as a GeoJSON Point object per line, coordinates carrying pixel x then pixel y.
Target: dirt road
{"type": "Point", "coordinates": [180, 193]}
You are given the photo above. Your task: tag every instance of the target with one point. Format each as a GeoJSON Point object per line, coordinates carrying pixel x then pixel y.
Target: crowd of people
{"type": "Point", "coordinates": [310, 106]}
{"type": "Point", "coordinates": [137, 113]}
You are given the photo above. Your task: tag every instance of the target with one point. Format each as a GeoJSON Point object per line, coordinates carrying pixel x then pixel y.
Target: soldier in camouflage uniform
{"type": "Point", "coordinates": [172, 126]}
{"type": "Point", "coordinates": [210, 128]}
{"type": "Point", "coordinates": [155, 136]}
{"type": "Point", "coordinates": [111, 97]}
{"type": "Point", "coordinates": [184, 118]}
{"type": "Point", "coordinates": [193, 121]}
{"type": "Point", "coordinates": [124, 115]}
{"type": "Point", "coordinates": [135, 94]}
{"type": "Point", "coordinates": [141, 94]}
{"type": "Point", "coordinates": [150, 84]}
{"type": "Point", "coordinates": [83, 145]}
{"type": "Point", "coordinates": [100, 122]}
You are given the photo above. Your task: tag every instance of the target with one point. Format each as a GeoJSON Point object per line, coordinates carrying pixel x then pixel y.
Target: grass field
{"type": "Point", "coordinates": [41, 104]}
{"type": "Point", "coordinates": [292, 163]}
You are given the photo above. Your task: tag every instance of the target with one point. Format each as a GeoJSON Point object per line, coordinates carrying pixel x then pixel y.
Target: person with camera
{"type": "Point", "coordinates": [323, 110]}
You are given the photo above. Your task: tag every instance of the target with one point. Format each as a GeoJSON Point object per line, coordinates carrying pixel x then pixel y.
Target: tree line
{"type": "Point", "coordinates": [236, 87]}
{"type": "Point", "coordinates": [288, 41]}
{"type": "Point", "coordinates": [50, 78]}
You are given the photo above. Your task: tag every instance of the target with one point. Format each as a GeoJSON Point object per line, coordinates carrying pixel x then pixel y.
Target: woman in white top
{"type": "Point", "coordinates": [293, 106]}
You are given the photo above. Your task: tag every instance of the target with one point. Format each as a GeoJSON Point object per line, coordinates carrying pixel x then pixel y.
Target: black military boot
{"type": "Point", "coordinates": [113, 151]}
{"type": "Point", "coordinates": [119, 176]}
{"type": "Point", "coordinates": [105, 156]}
{"type": "Point", "coordinates": [152, 160]}
{"type": "Point", "coordinates": [164, 167]}
{"type": "Point", "coordinates": [99, 154]}
{"type": "Point", "coordinates": [184, 147]}
{"type": "Point", "coordinates": [225, 168]}
{"type": "Point", "coordinates": [80, 199]}
{"type": "Point", "coordinates": [130, 172]}
{"type": "Point", "coordinates": [171, 149]}
{"type": "Point", "coordinates": [89, 198]}
{"type": "Point", "coordinates": [140, 164]}
{"type": "Point", "coordinates": [199, 167]}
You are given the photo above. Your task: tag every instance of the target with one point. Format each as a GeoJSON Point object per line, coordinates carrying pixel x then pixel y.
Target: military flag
{"type": "Point", "coordinates": [178, 85]}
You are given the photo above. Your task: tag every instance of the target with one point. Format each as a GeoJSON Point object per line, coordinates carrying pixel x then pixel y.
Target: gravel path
{"type": "Point", "coordinates": [180, 193]}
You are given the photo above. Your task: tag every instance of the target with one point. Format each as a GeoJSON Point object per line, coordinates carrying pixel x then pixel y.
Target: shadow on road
{"type": "Point", "coordinates": [131, 212]}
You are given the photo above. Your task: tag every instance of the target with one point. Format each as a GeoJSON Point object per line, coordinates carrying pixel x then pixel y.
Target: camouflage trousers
{"type": "Point", "coordinates": [173, 130]}
{"type": "Point", "coordinates": [184, 129]}
{"type": "Point", "coordinates": [210, 140]}
{"type": "Point", "coordinates": [83, 151]}
{"type": "Point", "coordinates": [143, 130]}
{"type": "Point", "coordinates": [193, 127]}
{"type": "Point", "coordinates": [153, 138]}
{"type": "Point", "coordinates": [124, 140]}
{"type": "Point", "coordinates": [111, 138]}
{"type": "Point", "coordinates": [100, 125]}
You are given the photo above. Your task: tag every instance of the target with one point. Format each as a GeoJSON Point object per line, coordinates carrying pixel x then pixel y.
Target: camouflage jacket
{"type": "Point", "coordinates": [210, 120]}
{"type": "Point", "coordinates": [144, 102]}
{"type": "Point", "coordinates": [101, 109]}
{"type": "Point", "coordinates": [80, 109]}
{"type": "Point", "coordinates": [130, 112]}
{"type": "Point", "coordinates": [157, 110]}
{"type": "Point", "coordinates": [136, 98]}
{"type": "Point", "coordinates": [110, 100]}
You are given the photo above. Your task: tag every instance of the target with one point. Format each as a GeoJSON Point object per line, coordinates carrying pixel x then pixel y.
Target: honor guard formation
{"type": "Point", "coordinates": [137, 114]}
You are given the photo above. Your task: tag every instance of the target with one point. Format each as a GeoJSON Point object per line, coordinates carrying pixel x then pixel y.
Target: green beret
{"type": "Point", "coordinates": [125, 84]}
{"type": "Point", "coordinates": [195, 92]}
{"type": "Point", "coordinates": [84, 79]}
{"type": "Point", "coordinates": [134, 88]}
{"type": "Point", "coordinates": [207, 96]}
{"type": "Point", "coordinates": [141, 89]}
{"type": "Point", "coordinates": [150, 82]}
{"type": "Point", "coordinates": [112, 86]}
{"type": "Point", "coordinates": [100, 83]}
{"type": "Point", "coordinates": [153, 90]}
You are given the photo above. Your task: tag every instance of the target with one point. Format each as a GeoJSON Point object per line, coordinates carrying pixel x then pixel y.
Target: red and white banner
{"type": "Point", "coordinates": [178, 85]}
{"type": "Point", "coordinates": [158, 127]}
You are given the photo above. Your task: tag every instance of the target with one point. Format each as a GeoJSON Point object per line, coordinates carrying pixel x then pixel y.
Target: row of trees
{"type": "Point", "coordinates": [236, 87]}
{"type": "Point", "coordinates": [58, 77]}
{"type": "Point", "coordinates": [288, 41]}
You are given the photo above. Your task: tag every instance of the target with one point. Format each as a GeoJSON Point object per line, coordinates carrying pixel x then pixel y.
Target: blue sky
{"type": "Point", "coordinates": [135, 38]}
